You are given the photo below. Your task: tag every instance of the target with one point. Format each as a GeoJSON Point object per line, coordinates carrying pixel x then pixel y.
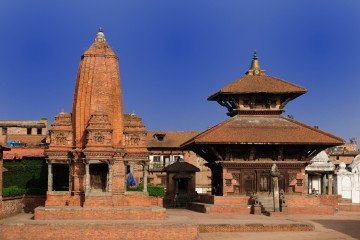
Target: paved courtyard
{"type": "Point", "coordinates": [342, 225]}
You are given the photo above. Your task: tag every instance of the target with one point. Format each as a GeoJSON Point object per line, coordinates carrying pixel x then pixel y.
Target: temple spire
{"type": "Point", "coordinates": [255, 68]}
{"type": "Point", "coordinates": [100, 36]}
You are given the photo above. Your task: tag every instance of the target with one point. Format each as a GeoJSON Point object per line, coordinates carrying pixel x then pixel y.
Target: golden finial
{"type": "Point", "coordinates": [255, 68]}
{"type": "Point", "coordinates": [100, 36]}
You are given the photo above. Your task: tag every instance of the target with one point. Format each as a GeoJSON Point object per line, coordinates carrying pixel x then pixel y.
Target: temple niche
{"type": "Point", "coordinates": [241, 150]}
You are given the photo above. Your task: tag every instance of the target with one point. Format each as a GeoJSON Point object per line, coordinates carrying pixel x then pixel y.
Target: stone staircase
{"type": "Point", "coordinates": [99, 201]}
{"type": "Point", "coordinates": [220, 204]}
{"type": "Point", "coordinates": [266, 203]}
{"type": "Point", "coordinates": [346, 204]}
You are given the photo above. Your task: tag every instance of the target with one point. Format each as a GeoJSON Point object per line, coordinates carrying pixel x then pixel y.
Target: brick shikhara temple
{"type": "Point", "coordinates": [93, 148]}
{"type": "Point", "coordinates": [241, 150]}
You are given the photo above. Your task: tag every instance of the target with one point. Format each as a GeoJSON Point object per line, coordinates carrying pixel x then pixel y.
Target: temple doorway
{"type": "Point", "coordinates": [60, 177]}
{"type": "Point", "coordinates": [183, 185]}
{"type": "Point", "coordinates": [98, 177]}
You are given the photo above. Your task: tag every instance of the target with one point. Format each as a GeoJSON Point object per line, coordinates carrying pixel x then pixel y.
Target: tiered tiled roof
{"type": "Point", "coordinates": [259, 84]}
{"type": "Point", "coordinates": [275, 129]}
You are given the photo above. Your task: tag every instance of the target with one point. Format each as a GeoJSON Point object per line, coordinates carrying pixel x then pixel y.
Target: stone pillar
{"type": "Point", "coordinates": [70, 177]}
{"type": "Point", "coordinates": [50, 177]}
{"type": "Point", "coordinates": [118, 176]}
{"type": "Point", "coordinates": [330, 184]}
{"type": "Point", "coordinates": [323, 184]}
{"type": "Point", "coordinates": [132, 167]}
{"type": "Point", "coordinates": [306, 183]}
{"type": "Point", "coordinates": [1, 175]}
{"type": "Point", "coordinates": [87, 177]}
{"type": "Point", "coordinates": [275, 182]}
{"type": "Point", "coordinates": [145, 176]}
{"type": "Point", "coordinates": [110, 176]}
{"type": "Point", "coordinates": [275, 173]}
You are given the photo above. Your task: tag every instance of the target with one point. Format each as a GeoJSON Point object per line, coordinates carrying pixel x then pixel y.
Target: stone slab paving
{"type": "Point", "coordinates": [342, 225]}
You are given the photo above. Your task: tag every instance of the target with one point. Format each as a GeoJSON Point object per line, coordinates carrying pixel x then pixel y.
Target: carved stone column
{"type": "Point", "coordinates": [110, 177]}
{"type": "Point", "coordinates": [70, 177]}
{"type": "Point", "coordinates": [306, 183]}
{"type": "Point", "coordinates": [87, 177]}
{"type": "Point", "coordinates": [145, 176]}
{"type": "Point", "coordinates": [275, 173]}
{"type": "Point", "coordinates": [330, 184]}
{"type": "Point", "coordinates": [275, 182]}
{"type": "Point", "coordinates": [323, 184]}
{"type": "Point", "coordinates": [50, 177]}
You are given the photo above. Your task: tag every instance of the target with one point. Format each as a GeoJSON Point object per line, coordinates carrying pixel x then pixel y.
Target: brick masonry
{"type": "Point", "coordinates": [79, 231]}
{"type": "Point", "coordinates": [15, 205]}
{"type": "Point", "coordinates": [114, 213]}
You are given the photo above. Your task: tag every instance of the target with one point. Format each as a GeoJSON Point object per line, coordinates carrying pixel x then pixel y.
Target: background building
{"type": "Point", "coordinates": [164, 149]}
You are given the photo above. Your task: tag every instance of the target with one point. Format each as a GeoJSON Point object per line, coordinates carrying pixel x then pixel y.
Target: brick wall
{"type": "Point", "coordinates": [114, 231]}
{"type": "Point", "coordinates": [15, 205]}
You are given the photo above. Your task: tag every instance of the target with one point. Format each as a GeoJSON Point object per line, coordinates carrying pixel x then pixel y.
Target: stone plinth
{"type": "Point", "coordinates": [114, 213]}
{"type": "Point", "coordinates": [115, 229]}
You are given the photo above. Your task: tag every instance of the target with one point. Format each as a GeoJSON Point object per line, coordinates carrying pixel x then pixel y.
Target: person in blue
{"type": "Point", "coordinates": [130, 180]}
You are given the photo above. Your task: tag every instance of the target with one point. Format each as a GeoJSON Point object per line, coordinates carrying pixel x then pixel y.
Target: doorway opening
{"type": "Point", "coordinates": [60, 177]}
{"type": "Point", "coordinates": [98, 177]}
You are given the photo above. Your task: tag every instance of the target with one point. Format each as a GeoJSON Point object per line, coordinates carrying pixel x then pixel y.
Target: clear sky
{"type": "Point", "coordinates": [174, 54]}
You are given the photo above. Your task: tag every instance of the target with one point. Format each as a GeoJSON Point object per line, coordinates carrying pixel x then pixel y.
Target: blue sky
{"type": "Point", "coordinates": [173, 54]}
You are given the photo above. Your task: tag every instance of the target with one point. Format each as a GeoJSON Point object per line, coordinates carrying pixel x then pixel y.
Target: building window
{"type": "Point", "coordinates": [166, 160]}
{"type": "Point", "coordinates": [39, 131]}
{"type": "Point", "coordinates": [156, 159]}
{"type": "Point", "coordinates": [337, 158]}
{"type": "Point", "coordinates": [28, 131]}
{"type": "Point", "coordinates": [159, 136]}
{"type": "Point", "coordinates": [4, 131]}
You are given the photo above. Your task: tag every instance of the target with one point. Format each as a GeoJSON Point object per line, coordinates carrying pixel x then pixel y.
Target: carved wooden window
{"type": "Point", "coordinates": [228, 182]}
{"type": "Point", "coordinates": [264, 183]}
{"type": "Point", "coordinates": [249, 184]}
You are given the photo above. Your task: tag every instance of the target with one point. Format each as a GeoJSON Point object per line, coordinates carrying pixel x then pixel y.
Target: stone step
{"type": "Point", "coordinates": [179, 229]}
{"type": "Point", "coordinates": [267, 204]}
{"type": "Point", "coordinates": [312, 210]}
{"type": "Point", "coordinates": [344, 200]}
{"type": "Point", "coordinates": [226, 208]}
{"type": "Point", "coordinates": [349, 207]}
{"type": "Point", "coordinates": [115, 213]}
{"type": "Point", "coordinates": [98, 201]}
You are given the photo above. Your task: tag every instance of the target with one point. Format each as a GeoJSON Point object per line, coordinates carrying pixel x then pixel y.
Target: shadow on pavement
{"type": "Point", "coordinates": [348, 227]}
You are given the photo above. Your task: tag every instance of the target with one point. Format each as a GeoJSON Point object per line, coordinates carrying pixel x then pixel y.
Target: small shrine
{"type": "Point", "coordinates": [320, 174]}
{"type": "Point", "coordinates": [348, 180]}
{"type": "Point", "coordinates": [181, 183]}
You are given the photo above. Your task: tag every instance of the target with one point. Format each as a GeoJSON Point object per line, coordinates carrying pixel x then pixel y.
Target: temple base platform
{"type": "Point", "coordinates": [89, 213]}
{"type": "Point", "coordinates": [295, 204]}
{"type": "Point", "coordinates": [101, 199]}
{"type": "Point", "coordinates": [181, 228]}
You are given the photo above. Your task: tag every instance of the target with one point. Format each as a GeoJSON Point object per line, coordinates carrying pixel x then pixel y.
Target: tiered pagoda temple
{"type": "Point", "coordinates": [241, 150]}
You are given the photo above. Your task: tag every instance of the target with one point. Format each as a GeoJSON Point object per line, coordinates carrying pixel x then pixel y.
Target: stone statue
{"type": "Point", "coordinates": [274, 171]}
